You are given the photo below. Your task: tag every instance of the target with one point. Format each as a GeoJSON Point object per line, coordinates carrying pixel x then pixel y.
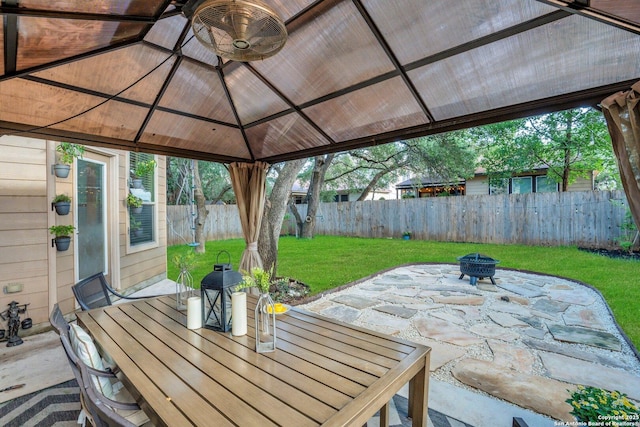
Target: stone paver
{"type": "Point", "coordinates": [442, 330]}
{"type": "Point", "coordinates": [518, 358]}
{"type": "Point", "coordinates": [530, 331]}
{"type": "Point", "coordinates": [355, 301]}
{"type": "Point", "coordinates": [550, 306]}
{"type": "Point", "coordinates": [494, 331]}
{"type": "Point", "coordinates": [543, 395]}
{"type": "Point", "coordinates": [397, 311]}
{"type": "Point", "coordinates": [523, 289]}
{"type": "Point", "coordinates": [585, 336]}
{"type": "Point", "coordinates": [506, 320]}
{"type": "Point", "coordinates": [459, 299]}
{"type": "Point", "coordinates": [587, 373]}
{"type": "Point", "coordinates": [585, 318]}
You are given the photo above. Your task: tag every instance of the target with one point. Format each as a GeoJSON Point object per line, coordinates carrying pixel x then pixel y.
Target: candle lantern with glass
{"type": "Point", "coordinates": [216, 289]}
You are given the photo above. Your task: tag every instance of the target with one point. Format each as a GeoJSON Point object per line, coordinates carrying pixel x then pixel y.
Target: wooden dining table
{"type": "Point", "coordinates": [323, 372]}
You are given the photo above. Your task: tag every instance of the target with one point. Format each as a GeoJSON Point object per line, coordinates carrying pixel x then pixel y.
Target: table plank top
{"type": "Point", "coordinates": [323, 372]}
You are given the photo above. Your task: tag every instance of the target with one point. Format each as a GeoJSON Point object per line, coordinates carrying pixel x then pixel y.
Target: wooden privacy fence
{"type": "Point", "coordinates": [589, 219]}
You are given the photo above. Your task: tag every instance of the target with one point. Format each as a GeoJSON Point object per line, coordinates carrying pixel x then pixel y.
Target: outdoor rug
{"type": "Point", "coordinates": [59, 406]}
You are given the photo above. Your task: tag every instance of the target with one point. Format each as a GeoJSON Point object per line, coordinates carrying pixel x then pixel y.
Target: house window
{"type": "Point", "coordinates": [498, 185]}
{"type": "Point", "coordinates": [545, 185]}
{"type": "Point", "coordinates": [341, 198]}
{"type": "Point", "coordinates": [142, 225]}
{"type": "Point", "coordinates": [521, 185]}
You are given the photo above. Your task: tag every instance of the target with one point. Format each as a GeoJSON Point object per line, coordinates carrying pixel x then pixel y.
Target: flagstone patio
{"type": "Point", "coordinates": [527, 340]}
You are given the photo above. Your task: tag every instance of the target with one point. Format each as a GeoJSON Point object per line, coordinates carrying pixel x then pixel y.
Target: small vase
{"type": "Point", "coordinates": [184, 289]}
{"type": "Point", "coordinates": [265, 324]}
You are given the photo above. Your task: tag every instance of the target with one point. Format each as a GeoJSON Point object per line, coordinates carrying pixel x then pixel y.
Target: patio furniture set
{"type": "Point", "coordinates": [323, 372]}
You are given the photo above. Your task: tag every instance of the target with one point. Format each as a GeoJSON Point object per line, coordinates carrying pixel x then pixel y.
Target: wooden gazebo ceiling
{"type": "Point", "coordinates": [353, 73]}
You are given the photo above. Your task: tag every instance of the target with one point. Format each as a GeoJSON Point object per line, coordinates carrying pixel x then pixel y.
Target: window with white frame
{"type": "Point", "coordinates": [142, 184]}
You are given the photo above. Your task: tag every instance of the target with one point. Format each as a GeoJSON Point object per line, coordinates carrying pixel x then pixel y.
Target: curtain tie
{"type": "Point", "coordinates": [253, 246]}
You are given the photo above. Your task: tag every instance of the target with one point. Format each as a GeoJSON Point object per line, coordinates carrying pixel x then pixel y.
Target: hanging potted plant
{"type": "Point", "coordinates": [135, 203]}
{"type": "Point", "coordinates": [135, 226]}
{"type": "Point", "coordinates": [141, 170]}
{"type": "Point", "coordinates": [63, 236]}
{"type": "Point", "coordinates": [62, 204]}
{"type": "Point", "coordinates": [66, 153]}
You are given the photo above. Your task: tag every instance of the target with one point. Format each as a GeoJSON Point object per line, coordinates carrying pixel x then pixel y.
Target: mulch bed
{"type": "Point", "coordinates": [614, 253]}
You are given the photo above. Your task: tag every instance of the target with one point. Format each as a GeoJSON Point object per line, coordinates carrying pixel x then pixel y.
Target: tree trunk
{"type": "Point", "coordinates": [274, 211]}
{"type": "Point", "coordinates": [372, 184]}
{"type": "Point", "coordinates": [566, 167]}
{"type": "Point", "coordinates": [202, 211]}
{"type": "Point", "coordinates": [322, 163]}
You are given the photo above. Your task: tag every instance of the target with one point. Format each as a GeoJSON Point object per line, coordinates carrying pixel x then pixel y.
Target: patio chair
{"type": "Point", "coordinates": [98, 408]}
{"type": "Point", "coordinates": [59, 323]}
{"type": "Point", "coordinates": [95, 291]}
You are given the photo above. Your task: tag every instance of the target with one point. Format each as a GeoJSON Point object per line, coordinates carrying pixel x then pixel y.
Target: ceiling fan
{"type": "Point", "coordinates": [238, 30]}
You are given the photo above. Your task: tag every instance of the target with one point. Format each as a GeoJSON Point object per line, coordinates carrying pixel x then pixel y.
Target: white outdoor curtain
{"type": "Point", "coordinates": [622, 113]}
{"type": "Point", "coordinates": [249, 185]}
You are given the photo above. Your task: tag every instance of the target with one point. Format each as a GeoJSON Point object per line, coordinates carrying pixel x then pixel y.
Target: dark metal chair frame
{"type": "Point", "coordinates": [59, 323]}
{"type": "Point", "coordinates": [99, 407]}
{"type": "Point", "coordinates": [95, 291]}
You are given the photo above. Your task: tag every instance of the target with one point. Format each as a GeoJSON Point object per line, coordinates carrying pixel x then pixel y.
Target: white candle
{"type": "Point", "coordinates": [194, 313]}
{"type": "Point", "coordinates": [238, 313]}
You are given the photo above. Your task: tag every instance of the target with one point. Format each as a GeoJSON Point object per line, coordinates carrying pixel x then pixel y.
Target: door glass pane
{"type": "Point", "coordinates": [91, 208]}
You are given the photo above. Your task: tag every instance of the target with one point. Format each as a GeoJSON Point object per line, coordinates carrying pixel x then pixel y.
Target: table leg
{"type": "Point", "coordinates": [418, 396]}
{"type": "Point", "coordinates": [384, 415]}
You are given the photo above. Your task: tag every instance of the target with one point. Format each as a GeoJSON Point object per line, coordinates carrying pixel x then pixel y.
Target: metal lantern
{"type": "Point", "coordinates": [216, 289]}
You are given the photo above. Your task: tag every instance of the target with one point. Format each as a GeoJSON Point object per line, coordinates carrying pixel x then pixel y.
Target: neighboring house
{"type": "Point", "coordinates": [354, 195]}
{"type": "Point", "coordinates": [536, 181]}
{"type": "Point", "coordinates": [429, 187]}
{"type": "Point", "coordinates": [298, 194]}
{"type": "Point", "coordinates": [533, 182]}
{"type": "Point", "coordinates": [104, 239]}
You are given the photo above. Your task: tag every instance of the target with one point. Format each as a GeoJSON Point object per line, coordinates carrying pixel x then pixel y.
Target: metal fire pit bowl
{"type": "Point", "coordinates": [477, 266]}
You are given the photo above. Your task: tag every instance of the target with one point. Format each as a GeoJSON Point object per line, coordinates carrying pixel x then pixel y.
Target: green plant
{"type": "Point", "coordinates": [599, 405]}
{"type": "Point", "coordinates": [134, 223]}
{"type": "Point", "coordinates": [144, 168]}
{"type": "Point", "coordinates": [61, 230]}
{"type": "Point", "coordinates": [184, 261]}
{"type": "Point", "coordinates": [629, 232]}
{"type": "Point", "coordinates": [61, 198]}
{"type": "Point", "coordinates": [69, 151]}
{"type": "Point", "coordinates": [134, 201]}
{"type": "Point", "coordinates": [258, 278]}
{"type": "Point", "coordinates": [407, 234]}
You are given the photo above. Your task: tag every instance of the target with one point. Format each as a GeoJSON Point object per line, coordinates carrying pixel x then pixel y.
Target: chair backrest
{"type": "Point", "coordinates": [92, 292]}
{"type": "Point", "coordinates": [58, 321]}
{"type": "Point", "coordinates": [101, 414]}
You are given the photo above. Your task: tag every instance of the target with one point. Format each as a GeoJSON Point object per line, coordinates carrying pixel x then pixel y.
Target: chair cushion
{"type": "Point", "coordinates": [137, 417]}
{"type": "Point", "coordinates": [86, 351]}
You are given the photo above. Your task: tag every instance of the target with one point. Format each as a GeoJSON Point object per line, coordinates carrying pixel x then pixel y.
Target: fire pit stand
{"type": "Point", "coordinates": [477, 266]}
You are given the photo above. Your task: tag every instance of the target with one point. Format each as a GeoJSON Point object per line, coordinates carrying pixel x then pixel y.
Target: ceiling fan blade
{"type": "Point", "coordinates": [264, 27]}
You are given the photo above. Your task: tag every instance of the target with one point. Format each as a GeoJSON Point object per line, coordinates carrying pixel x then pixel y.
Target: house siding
{"type": "Point", "coordinates": [26, 254]}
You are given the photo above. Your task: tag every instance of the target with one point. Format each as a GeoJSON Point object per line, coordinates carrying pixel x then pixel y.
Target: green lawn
{"type": "Point", "coordinates": [326, 262]}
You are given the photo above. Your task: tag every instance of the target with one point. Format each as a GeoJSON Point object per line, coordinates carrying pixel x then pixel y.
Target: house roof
{"type": "Point", "coordinates": [426, 182]}
{"type": "Point", "coordinates": [129, 74]}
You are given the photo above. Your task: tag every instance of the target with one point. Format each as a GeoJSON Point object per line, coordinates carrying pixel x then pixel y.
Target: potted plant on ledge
{"type": "Point", "coordinates": [135, 203]}
{"type": "Point", "coordinates": [141, 170]}
{"type": "Point", "coordinates": [63, 236]}
{"type": "Point", "coordinates": [135, 226]}
{"type": "Point", "coordinates": [62, 204]}
{"type": "Point", "coordinates": [67, 152]}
